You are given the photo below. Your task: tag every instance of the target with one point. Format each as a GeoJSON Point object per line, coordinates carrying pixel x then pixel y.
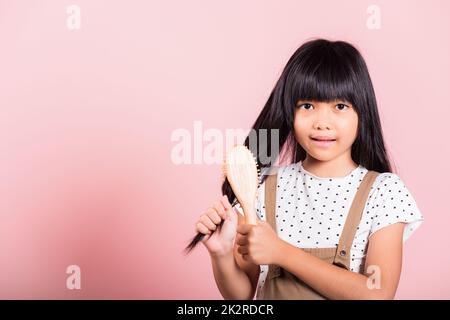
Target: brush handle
{"type": "Point", "coordinates": [250, 214]}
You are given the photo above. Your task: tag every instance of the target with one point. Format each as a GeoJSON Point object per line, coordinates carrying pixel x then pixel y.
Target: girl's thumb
{"type": "Point", "coordinates": [231, 214]}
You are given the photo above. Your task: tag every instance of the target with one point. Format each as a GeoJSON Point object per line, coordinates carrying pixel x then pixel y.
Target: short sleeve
{"type": "Point", "coordinates": [394, 204]}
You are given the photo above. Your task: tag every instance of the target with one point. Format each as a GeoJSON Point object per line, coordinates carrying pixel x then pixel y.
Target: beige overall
{"type": "Point", "coordinates": [281, 284]}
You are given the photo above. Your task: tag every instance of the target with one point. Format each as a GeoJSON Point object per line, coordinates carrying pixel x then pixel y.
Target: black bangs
{"type": "Point", "coordinates": [322, 73]}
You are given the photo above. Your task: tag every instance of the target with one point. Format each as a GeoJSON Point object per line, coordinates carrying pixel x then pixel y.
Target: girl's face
{"type": "Point", "coordinates": [326, 130]}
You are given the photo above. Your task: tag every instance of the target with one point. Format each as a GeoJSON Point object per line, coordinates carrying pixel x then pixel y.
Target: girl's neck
{"type": "Point", "coordinates": [335, 168]}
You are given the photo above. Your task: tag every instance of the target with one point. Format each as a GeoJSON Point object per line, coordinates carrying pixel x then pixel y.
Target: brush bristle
{"type": "Point", "coordinates": [244, 177]}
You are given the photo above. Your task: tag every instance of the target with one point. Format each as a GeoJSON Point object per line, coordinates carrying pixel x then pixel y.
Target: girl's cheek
{"type": "Point", "coordinates": [301, 124]}
{"type": "Point", "coordinates": [348, 131]}
{"type": "Point", "coordinates": [349, 120]}
{"type": "Point", "coordinates": [301, 134]}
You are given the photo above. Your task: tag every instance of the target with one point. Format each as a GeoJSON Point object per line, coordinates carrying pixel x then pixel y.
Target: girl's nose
{"type": "Point", "coordinates": [322, 126]}
{"type": "Point", "coordinates": [322, 118]}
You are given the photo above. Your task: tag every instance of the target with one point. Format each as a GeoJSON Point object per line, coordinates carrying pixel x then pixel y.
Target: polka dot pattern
{"type": "Point", "coordinates": [311, 211]}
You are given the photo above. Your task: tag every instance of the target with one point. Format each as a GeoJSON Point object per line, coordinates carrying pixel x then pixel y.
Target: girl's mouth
{"type": "Point", "coordinates": [323, 143]}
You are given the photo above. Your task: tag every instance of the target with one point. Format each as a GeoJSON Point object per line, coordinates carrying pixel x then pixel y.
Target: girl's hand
{"type": "Point", "coordinates": [259, 243]}
{"type": "Point", "coordinates": [220, 242]}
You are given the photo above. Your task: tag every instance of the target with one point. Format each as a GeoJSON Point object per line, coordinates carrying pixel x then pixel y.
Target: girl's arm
{"type": "Point", "coordinates": [384, 255]}
{"type": "Point", "coordinates": [235, 278]}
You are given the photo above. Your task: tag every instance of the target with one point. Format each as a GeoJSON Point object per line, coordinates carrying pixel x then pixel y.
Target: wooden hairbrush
{"type": "Point", "coordinates": [242, 172]}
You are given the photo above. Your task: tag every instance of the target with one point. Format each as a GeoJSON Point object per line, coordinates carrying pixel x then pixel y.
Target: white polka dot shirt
{"type": "Point", "coordinates": [311, 211]}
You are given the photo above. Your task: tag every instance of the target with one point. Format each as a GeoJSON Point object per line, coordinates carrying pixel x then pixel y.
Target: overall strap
{"type": "Point", "coordinates": [353, 219]}
{"type": "Point", "coordinates": [270, 199]}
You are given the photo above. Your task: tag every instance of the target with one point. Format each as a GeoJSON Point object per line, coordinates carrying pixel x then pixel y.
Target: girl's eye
{"type": "Point", "coordinates": [341, 106]}
{"type": "Point", "coordinates": [306, 106]}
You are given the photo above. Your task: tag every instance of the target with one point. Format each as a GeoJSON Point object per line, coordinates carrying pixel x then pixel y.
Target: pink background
{"type": "Point", "coordinates": [86, 119]}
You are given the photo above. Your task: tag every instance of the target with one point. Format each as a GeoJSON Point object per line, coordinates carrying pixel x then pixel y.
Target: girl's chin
{"type": "Point", "coordinates": [322, 155]}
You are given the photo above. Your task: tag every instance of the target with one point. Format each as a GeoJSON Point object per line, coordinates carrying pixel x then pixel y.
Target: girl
{"type": "Point", "coordinates": [333, 222]}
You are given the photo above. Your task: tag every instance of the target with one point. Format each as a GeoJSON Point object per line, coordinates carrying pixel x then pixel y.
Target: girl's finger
{"type": "Point", "coordinates": [244, 228]}
{"type": "Point", "coordinates": [214, 216]}
{"type": "Point", "coordinates": [242, 250]}
{"type": "Point", "coordinates": [218, 206]}
{"type": "Point", "coordinates": [200, 227]}
{"type": "Point", "coordinates": [225, 202]}
{"type": "Point", "coordinates": [208, 222]}
{"type": "Point", "coordinates": [242, 241]}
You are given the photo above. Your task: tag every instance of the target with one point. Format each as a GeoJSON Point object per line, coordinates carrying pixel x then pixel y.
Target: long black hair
{"type": "Point", "coordinates": [319, 70]}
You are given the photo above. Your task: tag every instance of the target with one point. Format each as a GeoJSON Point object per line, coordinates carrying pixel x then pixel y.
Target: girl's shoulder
{"type": "Point", "coordinates": [389, 181]}
{"type": "Point", "coordinates": [391, 190]}
{"type": "Point", "coordinates": [391, 201]}
{"type": "Point", "coordinates": [284, 172]}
